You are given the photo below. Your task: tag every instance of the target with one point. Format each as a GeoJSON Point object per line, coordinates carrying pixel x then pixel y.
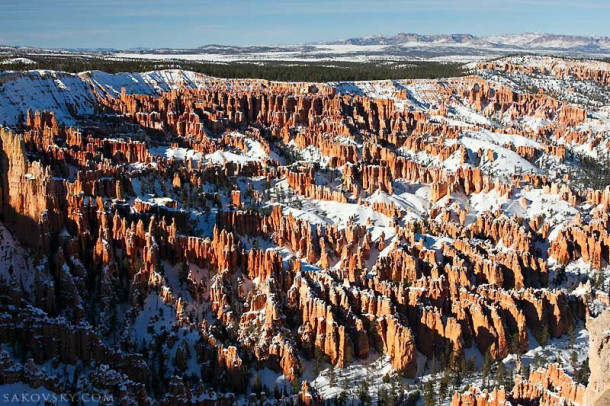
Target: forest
{"type": "Point", "coordinates": [271, 70]}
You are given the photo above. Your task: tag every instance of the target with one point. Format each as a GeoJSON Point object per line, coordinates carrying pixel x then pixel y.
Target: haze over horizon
{"type": "Point", "coordinates": [193, 23]}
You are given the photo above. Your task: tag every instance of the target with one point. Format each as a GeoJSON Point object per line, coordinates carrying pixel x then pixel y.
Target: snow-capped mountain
{"type": "Point", "coordinates": [450, 47]}
{"type": "Point", "coordinates": [526, 42]}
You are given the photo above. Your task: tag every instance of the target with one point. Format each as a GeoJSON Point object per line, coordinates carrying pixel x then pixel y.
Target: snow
{"type": "Point", "coordinates": [505, 163]}
{"type": "Point", "coordinates": [143, 83]}
{"type": "Point", "coordinates": [179, 154]}
{"type": "Point", "coordinates": [469, 115]}
{"type": "Point", "coordinates": [272, 379]}
{"type": "Point", "coordinates": [412, 47]}
{"type": "Point", "coordinates": [503, 139]}
{"type": "Point", "coordinates": [534, 123]}
{"type": "Point", "coordinates": [220, 157]}
{"type": "Point", "coordinates": [57, 91]}
{"type": "Point", "coordinates": [25, 61]}
{"type": "Point", "coordinates": [373, 369]}
{"type": "Point", "coordinates": [255, 152]}
{"type": "Point", "coordinates": [44, 91]}
{"type": "Point", "coordinates": [340, 213]}
{"type": "Point", "coordinates": [16, 269]}
{"type": "Point", "coordinates": [555, 211]}
{"type": "Point", "coordinates": [558, 349]}
{"type": "Point", "coordinates": [403, 198]}
{"type": "Point", "coordinates": [150, 315]}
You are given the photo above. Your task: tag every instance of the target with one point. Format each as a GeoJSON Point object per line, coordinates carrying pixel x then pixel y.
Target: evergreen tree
{"type": "Point", "coordinates": [296, 385]}
{"type": "Point", "coordinates": [571, 335]}
{"type": "Point", "coordinates": [332, 376]}
{"type": "Point", "coordinates": [537, 360]}
{"type": "Point", "coordinates": [471, 364]}
{"type": "Point", "coordinates": [429, 396]}
{"type": "Point", "coordinates": [485, 369]}
{"type": "Point", "coordinates": [574, 360]}
{"type": "Point", "coordinates": [342, 398]}
{"type": "Point", "coordinates": [544, 336]}
{"type": "Point", "coordinates": [582, 374]}
{"type": "Point", "coordinates": [444, 386]}
{"type": "Point", "coordinates": [396, 392]}
{"type": "Point", "coordinates": [257, 385]}
{"type": "Point", "coordinates": [383, 396]}
{"type": "Point", "coordinates": [510, 380]}
{"type": "Point", "coordinates": [515, 344]}
{"type": "Point", "coordinates": [458, 377]}
{"type": "Point", "coordinates": [500, 374]}
{"type": "Point", "coordinates": [345, 384]}
{"type": "Point", "coordinates": [363, 393]}
{"type": "Point", "coordinates": [317, 362]}
{"type": "Point", "coordinates": [183, 273]}
{"type": "Point", "coordinates": [525, 371]}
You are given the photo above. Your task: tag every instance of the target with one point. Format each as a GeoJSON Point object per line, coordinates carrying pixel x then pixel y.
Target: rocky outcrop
{"type": "Point", "coordinates": [545, 386]}
{"type": "Point", "coordinates": [599, 359]}
{"type": "Point", "coordinates": [30, 203]}
{"type": "Point", "coordinates": [208, 231]}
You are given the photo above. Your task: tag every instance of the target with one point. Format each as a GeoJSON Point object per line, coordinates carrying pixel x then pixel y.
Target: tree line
{"type": "Point", "coordinates": [271, 70]}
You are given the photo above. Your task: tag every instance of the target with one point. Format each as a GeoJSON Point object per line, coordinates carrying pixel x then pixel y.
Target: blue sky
{"type": "Point", "coordinates": [191, 23]}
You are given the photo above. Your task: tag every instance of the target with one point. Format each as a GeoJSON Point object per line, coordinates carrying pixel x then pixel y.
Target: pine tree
{"type": "Point", "coordinates": [463, 366]}
{"type": "Point", "coordinates": [383, 396]}
{"type": "Point", "coordinates": [183, 273]}
{"type": "Point", "coordinates": [471, 364]}
{"type": "Point", "coordinates": [363, 393]}
{"type": "Point", "coordinates": [571, 335]}
{"type": "Point", "coordinates": [342, 398]}
{"type": "Point", "coordinates": [582, 374]}
{"type": "Point", "coordinates": [525, 371]}
{"type": "Point", "coordinates": [296, 385]}
{"type": "Point", "coordinates": [500, 374]}
{"type": "Point", "coordinates": [345, 384]}
{"type": "Point", "coordinates": [544, 336]}
{"type": "Point", "coordinates": [443, 386]}
{"type": "Point", "coordinates": [317, 363]}
{"type": "Point", "coordinates": [429, 397]}
{"type": "Point", "coordinates": [396, 391]}
{"type": "Point", "coordinates": [257, 385]}
{"type": "Point", "coordinates": [515, 344]}
{"type": "Point", "coordinates": [458, 376]}
{"type": "Point", "coordinates": [510, 380]}
{"type": "Point", "coordinates": [573, 359]}
{"type": "Point", "coordinates": [332, 376]}
{"type": "Point", "coordinates": [537, 361]}
{"type": "Point", "coordinates": [486, 367]}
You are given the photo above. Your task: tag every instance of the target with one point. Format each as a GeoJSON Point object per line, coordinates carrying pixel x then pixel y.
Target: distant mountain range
{"type": "Point", "coordinates": [527, 41]}
{"type": "Point", "coordinates": [402, 46]}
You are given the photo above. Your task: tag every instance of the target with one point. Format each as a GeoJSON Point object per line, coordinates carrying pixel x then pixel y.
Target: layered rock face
{"type": "Point", "coordinates": [599, 359]}
{"type": "Point", "coordinates": [188, 241]}
{"type": "Point", "coordinates": [29, 193]}
{"type": "Point", "coordinates": [544, 386]}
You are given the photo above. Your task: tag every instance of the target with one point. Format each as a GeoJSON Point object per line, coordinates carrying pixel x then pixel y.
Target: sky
{"type": "Point", "coordinates": [124, 24]}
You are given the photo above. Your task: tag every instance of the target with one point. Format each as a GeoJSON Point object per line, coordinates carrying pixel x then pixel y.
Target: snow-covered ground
{"type": "Point", "coordinates": [16, 268]}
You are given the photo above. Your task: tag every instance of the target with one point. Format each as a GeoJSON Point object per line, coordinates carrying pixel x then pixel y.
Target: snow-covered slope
{"type": "Point", "coordinates": [60, 92]}
{"type": "Point", "coordinates": [69, 95]}
{"type": "Point", "coordinates": [15, 267]}
{"type": "Point", "coordinates": [142, 83]}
